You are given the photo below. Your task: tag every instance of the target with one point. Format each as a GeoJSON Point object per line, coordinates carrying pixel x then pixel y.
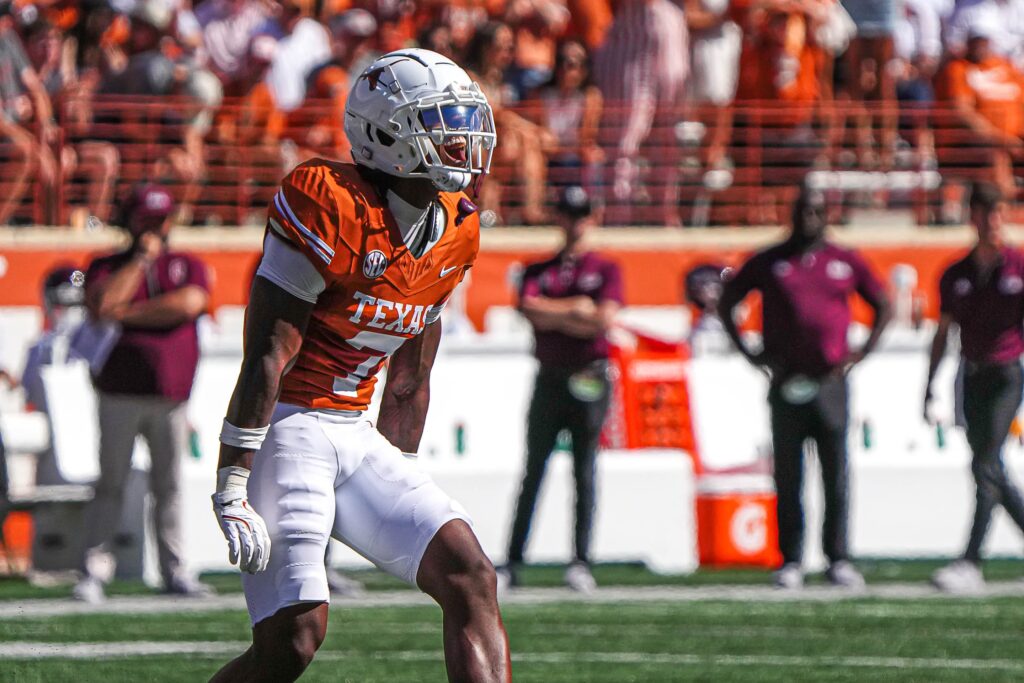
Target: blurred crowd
{"type": "Point", "coordinates": [624, 97]}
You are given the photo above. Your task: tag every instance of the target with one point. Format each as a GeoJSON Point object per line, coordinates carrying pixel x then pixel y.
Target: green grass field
{"type": "Point", "coordinates": [764, 639]}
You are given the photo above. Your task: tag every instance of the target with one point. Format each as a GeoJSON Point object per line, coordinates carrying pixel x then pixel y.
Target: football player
{"type": "Point", "coordinates": [358, 261]}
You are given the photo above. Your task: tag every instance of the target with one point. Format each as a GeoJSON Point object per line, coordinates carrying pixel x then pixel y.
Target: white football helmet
{"type": "Point", "coordinates": [415, 113]}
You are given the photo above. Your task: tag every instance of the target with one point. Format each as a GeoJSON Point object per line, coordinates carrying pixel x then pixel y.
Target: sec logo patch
{"type": "Point", "coordinates": [374, 264]}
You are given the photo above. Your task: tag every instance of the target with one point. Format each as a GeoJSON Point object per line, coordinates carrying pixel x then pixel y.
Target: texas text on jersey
{"type": "Point", "coordinates": [378, 294]}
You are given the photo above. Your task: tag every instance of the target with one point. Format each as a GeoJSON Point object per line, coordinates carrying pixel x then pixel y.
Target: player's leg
{"type": "Point", "coordinates": [543, 422]}
{"type": "Point", "coordinates": [457, 574]}
{"type": "Point", "coordinates": [283, 645]}
{"type": "Point", "coordinates": [393, 514]}
{"type": "Point", "coordinates": [292, 488]}
{"type": "Point", "coordinates": [789, 430]}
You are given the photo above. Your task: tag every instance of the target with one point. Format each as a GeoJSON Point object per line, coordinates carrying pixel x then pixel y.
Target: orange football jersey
{"type": "Point", "coordinates": [378, 295]}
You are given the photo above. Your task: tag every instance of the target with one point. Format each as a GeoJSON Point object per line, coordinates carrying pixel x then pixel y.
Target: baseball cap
{"type": "Point", "coordinates": [703, 284]}
{"type": "Point", "coordinates": [574, 202]}
{"type": "Point", "coordinates": [146, 208]}
{"type": "Point", "coordinates": [64, 286]}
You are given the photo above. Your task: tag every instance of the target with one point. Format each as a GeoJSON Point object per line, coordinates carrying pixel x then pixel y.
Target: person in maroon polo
{"type": "Point", "coordinates": [983, 293]}
{"type": "Point", "coordinates": [570, 300]}
{"type": "Point", "coordinates": [806, 283]}
{"type": "Point", "coordinates": [152, 296]}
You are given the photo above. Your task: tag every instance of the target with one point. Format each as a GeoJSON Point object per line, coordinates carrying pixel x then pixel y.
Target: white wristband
{"type": "Point", "coordinates": [240, 437]}
{"type": "Point", "coordinates": [231, 478]}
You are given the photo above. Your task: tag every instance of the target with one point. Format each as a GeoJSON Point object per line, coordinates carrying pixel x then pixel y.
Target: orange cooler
{"type": "Point", "coordinates": [736, 521]}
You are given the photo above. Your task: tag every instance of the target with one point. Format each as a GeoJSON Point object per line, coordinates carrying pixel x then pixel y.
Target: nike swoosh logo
{"type": "Point", "coordinates": [447, 271]}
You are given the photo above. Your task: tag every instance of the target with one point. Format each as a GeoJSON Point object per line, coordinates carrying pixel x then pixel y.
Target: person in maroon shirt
{"type": "Point", "coordinates": [152, 296]}
{"type": "Point", "coordinates": [570, 300]}
{"type": "Point", "coordinates": [806, 283]}
{"type": "Point", "coordinates": [983, 293]}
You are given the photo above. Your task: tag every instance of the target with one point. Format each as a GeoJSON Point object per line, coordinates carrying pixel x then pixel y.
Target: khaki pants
{"type": "Point", "coordinates": [162, 423]}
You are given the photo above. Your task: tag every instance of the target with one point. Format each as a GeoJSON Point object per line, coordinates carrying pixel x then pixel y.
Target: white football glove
{"type": "Point", "coordinates": [244, 529]}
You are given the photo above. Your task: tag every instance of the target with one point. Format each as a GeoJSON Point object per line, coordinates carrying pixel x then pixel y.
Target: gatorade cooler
{"type": "Point", "coordinates": [650, 399]}
{"type": "Point", "coordinates": [736, 522]}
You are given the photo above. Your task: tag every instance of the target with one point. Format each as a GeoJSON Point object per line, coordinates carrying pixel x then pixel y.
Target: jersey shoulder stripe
{"type": "Point", "coordinates": [308, 210]}
{"type": "Point", "coordinates": [320, 247]}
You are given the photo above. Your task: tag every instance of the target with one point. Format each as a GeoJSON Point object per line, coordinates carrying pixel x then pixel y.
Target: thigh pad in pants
{"type": "Point", "coordinates": [319, 474]}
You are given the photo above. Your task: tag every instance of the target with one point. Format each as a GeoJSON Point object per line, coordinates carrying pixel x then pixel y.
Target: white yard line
{"type": "Point", "coordinates": [582, 628]}
{"type": "Point", "coordinates": [683, 659]}
{"type": "Point", "coordinates": [133, 649]}
{"type": "Point", "coordinates": [659, 598]}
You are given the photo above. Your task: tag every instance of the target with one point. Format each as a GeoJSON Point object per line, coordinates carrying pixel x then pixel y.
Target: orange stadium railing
{"type": "Point", "coordinates": [885, 158]}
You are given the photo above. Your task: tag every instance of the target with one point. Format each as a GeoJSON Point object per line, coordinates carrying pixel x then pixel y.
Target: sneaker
{"type": "Point", "coordinates": [789, 577]}
{"type": "Point", "coordinates": [90, 590]}
{"type": "Point", "coordinates": [188, 587]}
{"type": "Point", "coordinates": [508, 577]}
{"type": "Point", "coordinates": [344, 586]}
{"type": "Point", "coordinates": [579, 578]}
{"type": "Point", "coordinates": [961, 576]}
{"type": "Point", "coordinates": [843, 574]}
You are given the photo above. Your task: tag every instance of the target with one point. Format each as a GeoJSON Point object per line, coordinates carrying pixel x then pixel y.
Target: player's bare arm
{"type": "Point", "coordinates": [403, 407]}
{"type": "Point", "coordinates": [274, 326]}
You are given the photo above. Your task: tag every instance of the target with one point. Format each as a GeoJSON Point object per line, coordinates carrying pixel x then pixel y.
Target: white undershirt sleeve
{"type": "Point", "coordinates": [290, 270]}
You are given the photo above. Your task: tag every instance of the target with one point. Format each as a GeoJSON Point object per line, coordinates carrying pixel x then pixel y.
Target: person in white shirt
{"type": "Point", "coordinates": [305, 46]}
{"type": "Point", "coordinates": [64, 313]}
{"type": "Point", "coordinates": [1008, 15]}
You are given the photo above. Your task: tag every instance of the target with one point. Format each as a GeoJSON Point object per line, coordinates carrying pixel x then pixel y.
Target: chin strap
{"type": "Point", "coordinates": [450, 181]}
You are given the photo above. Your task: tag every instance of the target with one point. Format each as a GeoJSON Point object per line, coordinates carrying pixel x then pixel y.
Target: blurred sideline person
{"type": "Point", "coordinates": [5, 502]}
{"type": "Point", "coordinates": [805, 284]}
{"type": "Point", "coordinates": [983, 294]}
{"type": "Point", "coordinates": [702, 289]}
{"type": "Point", "coordinates": [63, 314]}
{"type": "Point", "coordinates": [154, 296]}
{"type": "Point", "coordinates": [358, 262]}
{"type": "Point", "coordinates": [570, 300]}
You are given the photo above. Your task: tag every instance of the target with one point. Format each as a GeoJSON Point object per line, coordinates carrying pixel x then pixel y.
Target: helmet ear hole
{"type": "Point", "coordinates": [385, 139]}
